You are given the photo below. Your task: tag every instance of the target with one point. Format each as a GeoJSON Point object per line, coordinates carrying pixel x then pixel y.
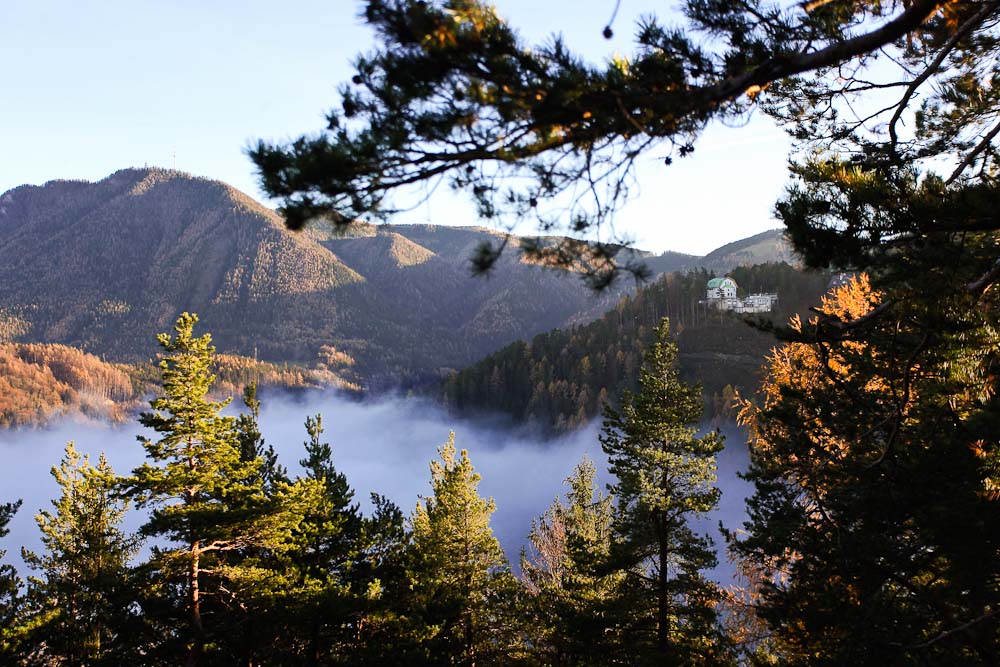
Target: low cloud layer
{"type": "Point", "coordinates": [384, 446]}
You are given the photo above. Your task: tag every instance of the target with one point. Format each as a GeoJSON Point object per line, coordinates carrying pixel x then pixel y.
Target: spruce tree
{"type": "Point", "coordinates": [80, 603]}
{"type": "Point", "coordinates": [252, 443]}
{"type": "Point", "coordinates": [573, 594]}
{"type": "Point", "coordinates": [458, 567]}
{"type": "Point", "coordinates": [10, 585]}
{"type": "Point", "coordinates": [329, 544]}
{"type": "Point", "coordinates": [206, 501]}
{"type": "Point", "coordinates": [665, 479]}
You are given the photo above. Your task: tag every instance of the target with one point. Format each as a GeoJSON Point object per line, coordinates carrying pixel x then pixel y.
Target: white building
{"type": "Point", "coordinates": [721, 293]}
{"type": "Point", "coordinates": [721, 288]}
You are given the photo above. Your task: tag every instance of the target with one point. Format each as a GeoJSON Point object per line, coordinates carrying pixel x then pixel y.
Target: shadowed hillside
{"type": "Point", "coordinates": [562, 378]}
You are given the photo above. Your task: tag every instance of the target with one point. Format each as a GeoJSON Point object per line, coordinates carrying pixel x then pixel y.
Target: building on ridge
{"type": "Point", "coordinates": [721, 288]}
{"type": "Point", "coordinates": [721, 293]}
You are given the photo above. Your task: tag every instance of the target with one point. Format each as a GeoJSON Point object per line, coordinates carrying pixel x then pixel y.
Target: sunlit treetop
{"type": "Point", "coordinates": [452, 94]}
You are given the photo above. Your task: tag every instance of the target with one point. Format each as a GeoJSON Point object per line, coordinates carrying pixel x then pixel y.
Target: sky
{"type": "Point", "coordinates": [90, 88]}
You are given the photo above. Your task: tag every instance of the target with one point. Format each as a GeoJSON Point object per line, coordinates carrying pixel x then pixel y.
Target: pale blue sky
{"type": "Point", "coordinates": [90, 88]}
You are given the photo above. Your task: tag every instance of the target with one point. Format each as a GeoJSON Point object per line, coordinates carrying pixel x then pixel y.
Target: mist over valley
{"type": "Point", "coordinates": [383, 446]}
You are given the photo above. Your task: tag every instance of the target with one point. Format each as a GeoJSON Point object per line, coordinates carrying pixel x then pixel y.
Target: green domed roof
{"type": "Point", "coordinates": [717, 282]}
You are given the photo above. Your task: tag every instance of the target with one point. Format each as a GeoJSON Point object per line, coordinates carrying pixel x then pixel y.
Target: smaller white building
{"type": "Point", "coordinates": [757, 303]}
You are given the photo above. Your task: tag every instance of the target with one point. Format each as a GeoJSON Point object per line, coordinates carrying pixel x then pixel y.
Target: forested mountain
{"type": "Point", "coordinates": [40, 382]}
{"type": "Point", "coordinates": [561, 379]}
{"type": "Point", "coordinates": [98, 265]}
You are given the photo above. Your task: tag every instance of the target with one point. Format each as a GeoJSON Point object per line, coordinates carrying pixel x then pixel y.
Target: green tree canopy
{"type": "Point", "coordinates": [79, 604]}
{"type": "Point", "coordinates": [458, 566]}
{"type": "Point", "coordinates": [206, 499]}
{"type": "Point", "coordinates": [664, 480]}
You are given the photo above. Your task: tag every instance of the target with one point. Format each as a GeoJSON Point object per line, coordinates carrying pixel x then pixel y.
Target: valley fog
{"type": "Point", "coordinates": [382, 446]}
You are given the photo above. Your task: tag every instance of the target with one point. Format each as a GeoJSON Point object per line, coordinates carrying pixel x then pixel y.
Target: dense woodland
{"type": "Point", "coordinates": [564, 378]}
{"type": "Point", "coordinates": [249, 565]}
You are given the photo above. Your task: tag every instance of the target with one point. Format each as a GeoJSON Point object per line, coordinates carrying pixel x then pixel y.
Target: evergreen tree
{"type": "Point", "coordinates": [381, 590]}
{"type": "Point", "coordinates": [458, 567]}
{"type": "Point", "coordinates": [572, 593]}
{"type": "Point", "coordinates": [10, 585]}
{"type": "Point", "coordinates": [206, 501]}
{"type": "Point", "coordinates": [870, 519]}
{"type": "Point", "coordinates": [252, 444]}
{"type": "Point", "coordinates": [665, 478]}
{"type": "Point", "coordinates": [329, 544]}
{"type": "Point", "coordinates": [80, 604]}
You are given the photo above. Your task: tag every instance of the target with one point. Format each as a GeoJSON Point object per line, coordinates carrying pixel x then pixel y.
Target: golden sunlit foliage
{"type": "Point", "coordinates": [808, 369]}
{"type": "Point", "coordinates": [870, 534]}
{"type": "Point", "coordinates": [41, 382]}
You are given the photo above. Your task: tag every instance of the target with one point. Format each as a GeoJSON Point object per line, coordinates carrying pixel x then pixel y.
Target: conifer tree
{"type": "Point", "coordinates": [458, 567]}
{"type": "Point", "coordinates": [80, 604]}
{"type": "Point", "coordinates": [205, 499]}
{"type": "Point", "coordinates": [665, 478]}
{"type": "Point", "coordinates": [252, 444]}
{"type": "Point", "coordinates": [10, 585]}
{"type": "Point", "coordinates": [870, 519]}
{"type": "Point", "coordinates": [329, 544]}
{"type": "Point", "coordinates": [573, 593]}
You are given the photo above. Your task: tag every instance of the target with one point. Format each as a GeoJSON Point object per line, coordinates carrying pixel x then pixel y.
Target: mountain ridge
{"type": "Point", "coordinates": [104, 265]}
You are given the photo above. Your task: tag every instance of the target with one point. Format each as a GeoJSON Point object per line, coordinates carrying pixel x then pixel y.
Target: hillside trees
{"type": "Point", "coordinates": [562, 379]}
{"type": "Point", "coordinates": [664, 479]}
{"type": "Point", "coordinates": [79, 607]}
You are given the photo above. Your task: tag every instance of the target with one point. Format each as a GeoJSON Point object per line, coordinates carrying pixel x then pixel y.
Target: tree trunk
{"type": "Point", "coordinates": [663, 607]}
{"type": "Point", "coordinates": [197, 630]}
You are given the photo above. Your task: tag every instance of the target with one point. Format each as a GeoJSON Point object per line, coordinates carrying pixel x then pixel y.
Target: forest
{"type": "Point", "coordinates": [872, 534]}
{"type": "Point", "coordinates": [563, 378]}
{"type": "Point", "coordinates": [249, 565]}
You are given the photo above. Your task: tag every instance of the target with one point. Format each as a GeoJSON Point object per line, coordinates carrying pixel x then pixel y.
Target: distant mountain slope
{"type": "Point", "coordinates": [769, 246]}
{"type": "Point", "coordinates": [103, 266]}
{"type": "Point", "coordinates": [562, 378]}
